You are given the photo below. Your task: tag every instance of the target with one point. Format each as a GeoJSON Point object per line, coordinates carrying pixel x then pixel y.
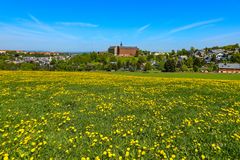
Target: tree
{"type": "Point", "coordinates": [28, 66]}
{"type": "Point", "coordinates": [133, 64]}
{"type": "Point", "coordinates": [103, 58]}
{"type": "Point", "coordinates": [173, 52]}
{"type": "Point", "coordinates": [113, 59]}
{"type": "Point", "coordinates": [235, 58]}
{"type": "Point", "coordinates": [94, 56]}
{"type": "Point", "coordinates": [53, 62]}
{"type": "Point", "coordinates": [141, 59]}
{"type": "Point", "coordinates": [192, 49]}
{"type": "Point", "coordinates": [161, 66]}
{"type": "Point", "coordinates": [170, 65]}
{"type": "Point", "coordinates": [148, 66]}
{"type": "Point", "coordinates": [214, 58]}
{"type": "Point", "coordinates": [80, 59]}
{"type": "Point", "coordinates": [119, 64]}
{"type": "Point", "coordinates": [189, 62]}
{"type": "Point", "coordinates": [197, 62]}
{"type": "Point", "coordinates": [184, 68]}
{"type": "Point", "coordinates": [150, 57]}
{"type": "Point", "coordinates": [206, 51]}
{"type": "Point", "coordinates": [159, 58]}
{"type": "Point", "coordinates": [185, 52]}
{"type": "Point", "coordinates": [195, 68]}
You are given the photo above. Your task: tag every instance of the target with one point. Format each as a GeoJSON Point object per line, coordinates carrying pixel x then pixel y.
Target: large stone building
{"type": "Point", "coordinates": [123, 51]}
{"type": "Point", "coordinates": [229, 68]}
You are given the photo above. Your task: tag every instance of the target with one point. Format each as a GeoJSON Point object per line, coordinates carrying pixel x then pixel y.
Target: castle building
{"type": "Point", "coordinates": [123, 51]}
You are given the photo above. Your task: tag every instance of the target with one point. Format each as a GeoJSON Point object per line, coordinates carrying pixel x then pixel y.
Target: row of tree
{"type": "Point", "coordinates": [109, 62]}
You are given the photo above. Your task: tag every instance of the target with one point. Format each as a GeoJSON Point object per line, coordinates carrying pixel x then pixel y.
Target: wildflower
{"type": "Point", "coordinates": [203, 157]}
{"type": "Point", "coordinates": [127, 154]}
{"type": "Point", "coordinates": [105, 153]}
{"type": "Point", "coordinates": [5, 156]}
{"type": "Point", "coordinates": [97, 158]}
{"type": "Point", "coordinates": [33, 150]}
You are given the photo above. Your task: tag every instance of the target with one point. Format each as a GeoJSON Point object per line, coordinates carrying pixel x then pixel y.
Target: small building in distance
{"type": "Point", "coordinates": [44, 53]}
{"type": "Point", "coordinates": [3, 52]}
{"type": "Point", "coordinates": [123, 51]}
{"type": "Point", "coordinates": [229, 68]}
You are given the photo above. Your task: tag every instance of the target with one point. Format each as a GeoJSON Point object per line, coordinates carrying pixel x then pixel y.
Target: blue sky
{"type": "Point", "coordinates": [94, 25]}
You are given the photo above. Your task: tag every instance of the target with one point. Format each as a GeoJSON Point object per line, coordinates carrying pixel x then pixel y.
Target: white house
{"type": "Point", "coordinates": [3, 52]}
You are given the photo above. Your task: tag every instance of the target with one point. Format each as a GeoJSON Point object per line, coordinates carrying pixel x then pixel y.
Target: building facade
{"type": "Point", "coordinates": [3, 52]}
{"type": "Point", "coordinates": [229, 68]}
{"type": "Point", "coordinates": [123, 51]}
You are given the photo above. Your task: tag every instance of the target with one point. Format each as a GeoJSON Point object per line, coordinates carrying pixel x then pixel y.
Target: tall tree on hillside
{"type": "Point", "coordinates": [206, 51]}
{"type": "Point", "coordinates": [235, 58]}
{"type": "Point", "coordinates": [214, 58]}
{"type": "Point", "coordinates": [192, 50]}
{"type": "Point", "coordinates": [185, 52]}
{"type": "Point", "coordinates": [173, 52]}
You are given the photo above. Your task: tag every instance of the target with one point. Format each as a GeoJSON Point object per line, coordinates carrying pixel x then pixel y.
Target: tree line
{"type": "Point", "coordinates": [143, 61]}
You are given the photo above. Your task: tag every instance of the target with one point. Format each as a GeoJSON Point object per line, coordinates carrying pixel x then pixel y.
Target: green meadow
{"type": "Point", "coordinates": [119, 115]}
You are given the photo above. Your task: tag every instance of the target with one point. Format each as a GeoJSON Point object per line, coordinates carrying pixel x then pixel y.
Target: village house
{"type": "Point", "coordinates": [44, 53]}
{"type": "Point", "coordinates": [157, 53]}
{"type": "Point", "coordinates": [222, 56]}
{"type": "Point", "coordinates": [123, 51]}
{"type": "Point", "coordinates": [199, 53]}
{"type": "Point", "coordinates": [182, 58]}
{"type": "Point", "coordinates": [3, 52]}
{"type": "Point", "coordinates": [217, 51]}
{"type": "Point", "coordinates": [229, 68]}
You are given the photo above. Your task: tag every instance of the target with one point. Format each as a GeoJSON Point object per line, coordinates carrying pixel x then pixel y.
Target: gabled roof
{"type": "Point", "coordinates": [229, 66]}
{"type": "Point", "coordinates": [216, 51]}
{"type": "Point", "coordinates": [128, 47]}
{"type": "Point", "coordinates": [123, 47]}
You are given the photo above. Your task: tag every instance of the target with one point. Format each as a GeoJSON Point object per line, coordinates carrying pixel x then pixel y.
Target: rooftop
{"type": "Point", "coordinates": [229, 66]}
{"type": "Point", "coordinates": [124, 47]}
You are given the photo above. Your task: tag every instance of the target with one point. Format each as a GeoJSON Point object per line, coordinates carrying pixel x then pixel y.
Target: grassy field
{"type": "Point", "coordinates": [184, 75]}
{"type": "Point", "coordinates": [60, 115]}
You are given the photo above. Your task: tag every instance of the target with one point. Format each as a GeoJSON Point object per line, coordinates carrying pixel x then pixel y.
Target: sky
{"type": "Point", "coordinates": [94, 25]}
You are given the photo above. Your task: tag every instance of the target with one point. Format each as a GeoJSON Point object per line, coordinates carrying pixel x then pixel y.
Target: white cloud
{"type": "Point", "coordinates": [78, 24]}
{"type": "Point", "coordinates": [33, 28]}
{"type": "Point", "coordinates": [34, 19]}
{"type": "Point", "coordinates": [38, 24]}
{"type": "Point", "coordinates": [195, 25]}
{"type": "Point", "coordinates": [143, 28]}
